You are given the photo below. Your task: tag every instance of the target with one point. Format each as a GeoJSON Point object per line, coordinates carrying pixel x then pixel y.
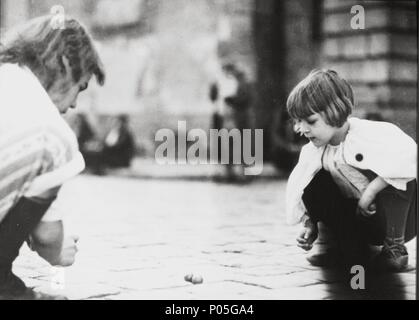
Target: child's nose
{"type": "Point", "coordinates": [304, 128]}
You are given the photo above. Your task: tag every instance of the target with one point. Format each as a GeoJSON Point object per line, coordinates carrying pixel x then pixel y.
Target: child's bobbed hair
{"type": "Point", "coordinates": [41, 45]}
{"type": "Point", "coordinates": [322, 91]}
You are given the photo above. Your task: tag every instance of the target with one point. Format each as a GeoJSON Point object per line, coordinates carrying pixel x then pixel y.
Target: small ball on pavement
{"type": "Point", "coordinates": [197, 279]}
{"type": "Point", "coordinates": [188, 277]}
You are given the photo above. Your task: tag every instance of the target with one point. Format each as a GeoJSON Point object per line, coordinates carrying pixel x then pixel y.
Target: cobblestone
{"type": "Point", "coordinates": [140, 237]}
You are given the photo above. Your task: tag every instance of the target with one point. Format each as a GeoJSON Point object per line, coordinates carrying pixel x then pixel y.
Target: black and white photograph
{"type": "Point", "coordinates": [230, 151]}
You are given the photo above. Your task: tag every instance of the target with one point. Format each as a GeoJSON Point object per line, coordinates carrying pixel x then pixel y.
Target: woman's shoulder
{"type": "Point", "coordinates": [12, 68]}
{"type": "Point", "coordinates": [24, 93]}
{"type": "Point", "coordinates": [14, 73]}
{"type": "Point", "coordinates": [15, 80]}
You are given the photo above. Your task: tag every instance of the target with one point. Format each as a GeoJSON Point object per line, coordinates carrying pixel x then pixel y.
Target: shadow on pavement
{"type": "Point", "coordinates": [378, 286]}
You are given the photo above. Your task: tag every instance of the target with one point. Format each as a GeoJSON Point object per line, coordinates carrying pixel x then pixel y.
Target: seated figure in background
{"type": "Point", "coordinates": [118, 147]}
{"type": "Point", "coordinates": [115, 150]}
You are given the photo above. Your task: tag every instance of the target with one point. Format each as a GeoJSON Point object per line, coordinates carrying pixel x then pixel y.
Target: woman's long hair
{"type": "Point", "coordinates": [40, 45]}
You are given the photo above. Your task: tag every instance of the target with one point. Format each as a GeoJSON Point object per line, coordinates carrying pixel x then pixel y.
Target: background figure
{"type": "Point", "coordinates": [90, 144]}
{"type": "Point", "coordinates": [83, 131]}
{"type": "Point", "coordinates": [231, 95]}
{"type": "Point", "coordinates": [115, 150]}
{"type": "Point", "coordinates": [286, 143]}
{"type": "Point", "coordinates": [118, 148]}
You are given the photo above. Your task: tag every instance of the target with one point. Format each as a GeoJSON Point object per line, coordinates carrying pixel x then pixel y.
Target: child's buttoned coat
{"type": "Point", "coordinates": [380, 147]}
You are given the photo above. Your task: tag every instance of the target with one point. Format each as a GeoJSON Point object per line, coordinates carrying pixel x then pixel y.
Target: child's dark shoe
{"type": "Point", "coordinates": [330, 258]}
{"type": "Point", "coordinates": [392, 258]}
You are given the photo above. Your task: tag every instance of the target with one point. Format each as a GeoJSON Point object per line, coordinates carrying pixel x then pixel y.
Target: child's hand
{"type": "Point", "coordinates": [366, 206]}
{"type": "Point", "coordinates": [307, 236]}
{"type": "Point", "coordinates": [68, 251]}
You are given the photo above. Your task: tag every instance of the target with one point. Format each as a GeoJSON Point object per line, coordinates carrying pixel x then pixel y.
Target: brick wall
{"type": "Point", "coordinates": [380, 61]}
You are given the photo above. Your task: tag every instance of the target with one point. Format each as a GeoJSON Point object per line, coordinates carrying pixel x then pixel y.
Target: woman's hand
{"type": "Point", "coordinates": [49, 242]}
{"type": "Point", "coordinates": [68, 251]}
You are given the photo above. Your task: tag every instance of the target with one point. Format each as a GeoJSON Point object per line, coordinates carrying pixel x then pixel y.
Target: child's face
{"type": "Point", "coordinates": [316, 129]}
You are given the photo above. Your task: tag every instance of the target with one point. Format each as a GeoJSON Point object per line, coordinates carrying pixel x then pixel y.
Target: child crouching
{"type": "Point", "coordinates": [357, 177]}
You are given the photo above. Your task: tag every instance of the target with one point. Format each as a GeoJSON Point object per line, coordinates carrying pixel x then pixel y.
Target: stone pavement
{"type": "Point", "coordinates": [140, 237]}
{"type": "Point", "coordinates": [146, 168]}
